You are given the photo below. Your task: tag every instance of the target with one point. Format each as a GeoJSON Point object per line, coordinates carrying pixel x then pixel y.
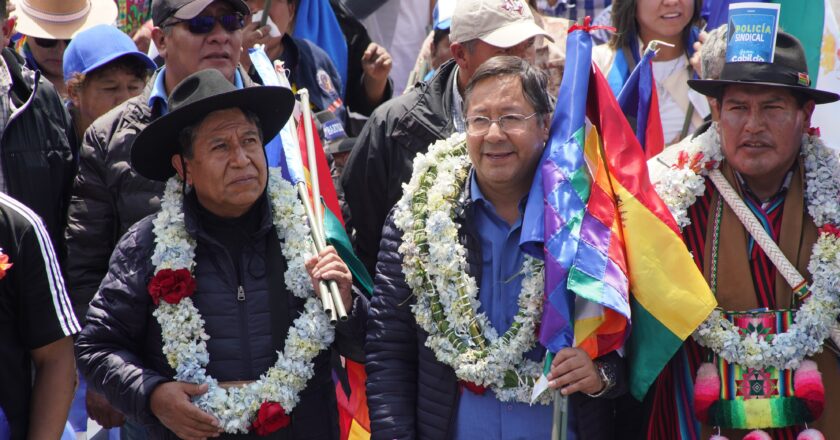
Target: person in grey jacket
{"type": "Point", "coordinates": [225, 251]}
{"type": "Point", "coordinates": [108, 196]}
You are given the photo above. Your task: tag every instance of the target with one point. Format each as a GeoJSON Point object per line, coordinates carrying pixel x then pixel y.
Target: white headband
{"type": "Point", "coordinates": [54, 18]}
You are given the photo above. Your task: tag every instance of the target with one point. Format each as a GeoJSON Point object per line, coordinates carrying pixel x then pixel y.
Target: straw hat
{"type": "Point", "coordinates": [62, 19]}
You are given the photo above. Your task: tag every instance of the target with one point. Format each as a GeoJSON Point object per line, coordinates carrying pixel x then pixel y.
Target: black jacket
{"type": "Point", "coordinates": [108, 195]}
{"type": "Point", "coordinates": [37, 148]}
{"type": "Point", "coordinates": [119, 350]}
{"type": "Point", "coordinates": [413, 395]}
{"type": "Point", "coordinates": [382, 158]}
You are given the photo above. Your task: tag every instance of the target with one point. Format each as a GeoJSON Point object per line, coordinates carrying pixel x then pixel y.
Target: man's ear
{"type": "Point", "coordinates": [459, 53]}
{"type": "Point", "coordinates": [73, 93]}
{"type": "Point", "coordinates": [159, 38]}
{"type": "Point", "coordinates": [808, 108]}
{"type": "Point", "coordinates": [181, 168]}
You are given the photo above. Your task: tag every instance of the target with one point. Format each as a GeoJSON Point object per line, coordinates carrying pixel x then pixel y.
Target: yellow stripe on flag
{"type": "Point", "coordinates": [357, 432]}
{"type": "Point", "coordinates": [657, 260]}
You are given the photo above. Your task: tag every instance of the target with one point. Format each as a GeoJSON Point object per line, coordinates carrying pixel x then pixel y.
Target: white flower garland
{"type": "Point", "coordinates": [435, 267]}
{"type": "Point", "coordinates": [679, 188]}
{"type": "Point", "coordinates": [184, 338]}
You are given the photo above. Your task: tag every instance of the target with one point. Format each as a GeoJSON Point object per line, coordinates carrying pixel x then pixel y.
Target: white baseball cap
{"type": "Point", "coordinates": [500, 23]}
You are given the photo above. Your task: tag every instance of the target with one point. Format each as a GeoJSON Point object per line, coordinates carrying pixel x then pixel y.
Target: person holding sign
{"type": "Point", "coordinates": [758, 198]}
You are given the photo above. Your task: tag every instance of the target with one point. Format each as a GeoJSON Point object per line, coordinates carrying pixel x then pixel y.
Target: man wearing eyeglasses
{"type": "Point", "coordinates": [108, 196]}
{"type": "Point", "coordinates": [415, 389]}
{"type": "Point", "coordinates": [399, 129]}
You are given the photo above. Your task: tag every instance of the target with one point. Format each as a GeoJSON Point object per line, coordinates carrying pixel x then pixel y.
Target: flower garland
{"type": "Point", "coordinates": [679, 188]}
{"type": "Point", "coordinates": [435, 267]}
{"type": "Point", "coordinates": [253, 406]}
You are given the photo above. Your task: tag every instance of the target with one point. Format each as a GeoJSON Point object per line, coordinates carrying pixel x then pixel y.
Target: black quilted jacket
{"type": "Point", "coordinates": [119, 350]}
{"type": "Point", "coordinates": [412, 395]}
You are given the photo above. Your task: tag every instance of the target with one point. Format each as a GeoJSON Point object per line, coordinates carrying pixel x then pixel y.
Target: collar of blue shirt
{"type": "Point", "coordinates": [159, 95]}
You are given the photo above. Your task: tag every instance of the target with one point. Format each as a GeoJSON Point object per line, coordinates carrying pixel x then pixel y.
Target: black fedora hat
{"type": "Point", "coordinates": [788, 70]}
{"type": "Point", "coordinates": [194, 98]}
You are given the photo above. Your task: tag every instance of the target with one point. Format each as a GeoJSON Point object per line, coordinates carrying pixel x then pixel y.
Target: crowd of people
{"type": "Point", "coordinates": [161, 274]}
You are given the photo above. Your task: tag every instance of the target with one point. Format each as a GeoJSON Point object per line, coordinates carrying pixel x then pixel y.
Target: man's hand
{"type": "Point", "coordinates": [376, 66]}
{"type": "Point", "coordinates": [101, 411]}
{"type": "Point", "coordinates": [572, 370]}
{"type": "Point", "coordinates": [170, 403]}
{"type": "Point", "coordinates": [252, 34]}
{"type": "Point", "coordinates": [143, 37]}
{"type": "Point", "coordinates": [698, 49]}
{"type": "Point", "coordinates": [329, 266]}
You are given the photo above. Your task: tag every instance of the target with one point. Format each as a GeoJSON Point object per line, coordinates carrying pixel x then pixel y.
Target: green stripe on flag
{"type": "Point", "coordinates": [337, 237]}
{"type": "Point", "coordinates": [805, 20]}
{"type": "Point", "coordinates": [650, 346]}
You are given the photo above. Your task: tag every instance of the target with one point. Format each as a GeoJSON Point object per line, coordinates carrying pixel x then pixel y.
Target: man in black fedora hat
{"type": "Point", "coordinates": [758, 198]}
{"type": "Point", "coordinates": [107, 195]}
{"type": "Point", "coordinates": [216, 290]}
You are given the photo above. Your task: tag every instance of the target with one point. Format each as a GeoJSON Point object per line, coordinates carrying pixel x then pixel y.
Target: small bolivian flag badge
{"type": "Point", "coordinates": [804, 79]}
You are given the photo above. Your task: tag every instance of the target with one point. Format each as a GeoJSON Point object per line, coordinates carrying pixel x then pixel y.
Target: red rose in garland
{"type": "Point", "coordinates": [270, 418]}
{"type": "Point", "coordinates": [171, 285]}
{"type": "Point", "coordinates": [4, 264]}
{"type": "Point", "coordinates": [474, 388]}
{"type": "Point", "coordinates": [828, 228]}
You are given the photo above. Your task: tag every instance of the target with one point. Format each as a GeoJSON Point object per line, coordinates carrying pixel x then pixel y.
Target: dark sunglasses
{"type": "Point", "coordinates": [48, 42]}
{"type": "Point", "coordinates": [203, 24]}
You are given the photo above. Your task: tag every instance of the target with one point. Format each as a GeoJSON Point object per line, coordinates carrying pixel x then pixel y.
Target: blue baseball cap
{"type": "Point", "coordinates": [98, 46]}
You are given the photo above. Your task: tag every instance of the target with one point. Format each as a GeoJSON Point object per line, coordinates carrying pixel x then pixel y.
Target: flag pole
{"type": "Point", "coordinates": [266, 7]}
{"type": "Point", "coordinates": [323, 290]}
{"type": "Point", "coordinates": [294, 162]}
{"type": "Point", "coordinates": [560, 425]}
{"type": "Point", "coordinates": [320, 240]}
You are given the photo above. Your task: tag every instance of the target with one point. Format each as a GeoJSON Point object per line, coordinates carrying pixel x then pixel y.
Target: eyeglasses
{"type": "Point", "coordinates": [204, 24]}
{"type": "Point", "coordinates": [510, 124]}
{"type": "Point", "coordinates": [48, 42]}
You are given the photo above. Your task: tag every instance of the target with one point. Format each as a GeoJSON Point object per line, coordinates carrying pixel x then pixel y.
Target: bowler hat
{"type": "Point", "coordinates": [788, 70]}
{"type": "Point", "coordinates": [194, 98]}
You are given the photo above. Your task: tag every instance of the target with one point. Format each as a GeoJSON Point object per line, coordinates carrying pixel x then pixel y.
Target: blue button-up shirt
{"type": "Point", "coordinates": [160, 97]}
{"type": "Point", "coordinates": [484, 416]}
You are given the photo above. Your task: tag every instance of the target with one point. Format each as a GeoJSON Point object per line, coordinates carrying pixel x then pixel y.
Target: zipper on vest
{"type": "Point", "coordinates": [240, 293]}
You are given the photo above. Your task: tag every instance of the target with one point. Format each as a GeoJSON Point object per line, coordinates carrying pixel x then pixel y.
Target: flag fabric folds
{"type": "Point", "coordinates": [316, 21]}
{"type": "Point", "coordinates": [670, 297]}
{"type": "Point", "coordinates": [639, 101]}
{"type": "Point", "coordinates": [612, 249]}
{"type": "Point", "coordinates": [557, 200]}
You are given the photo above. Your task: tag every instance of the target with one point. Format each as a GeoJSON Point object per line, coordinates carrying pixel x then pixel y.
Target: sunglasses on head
{"type": "Point", "coordinates": [48, 42]}
{"type": "Point", "coordinates": [203, 24]}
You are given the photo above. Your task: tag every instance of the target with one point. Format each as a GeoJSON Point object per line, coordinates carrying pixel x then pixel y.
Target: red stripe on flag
{"type": "Point", "coordinates": [325, 181]}
{"type": "Point", "coordinates": [654, 138]}
{"type": "Point", "coordinates": [626, 159]}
